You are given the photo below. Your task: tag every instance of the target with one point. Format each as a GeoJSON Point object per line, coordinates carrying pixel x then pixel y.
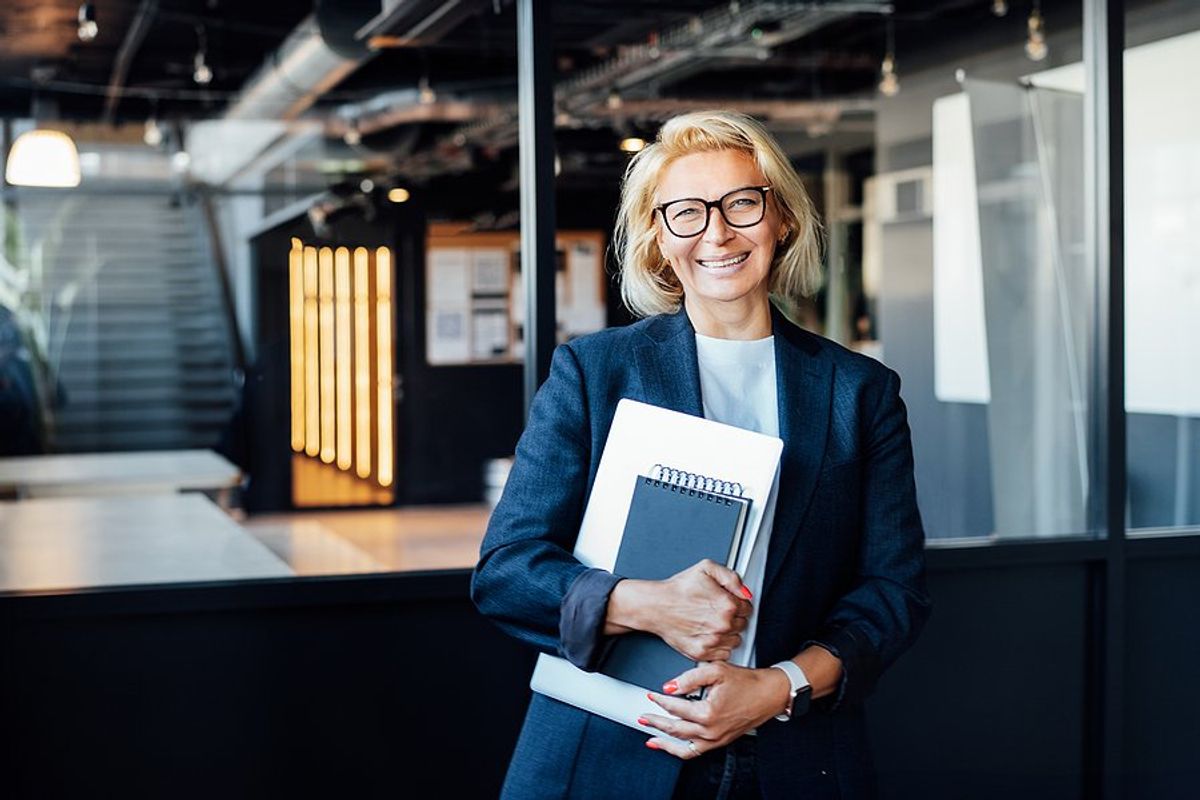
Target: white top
{"type": "Point", "coordinates": [737, 387]}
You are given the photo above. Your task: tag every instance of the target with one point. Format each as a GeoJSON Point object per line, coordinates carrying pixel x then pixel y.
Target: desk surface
{"type": "Point", "coordinates": [84, 542]}
{"type": "Point", "coordinates": [117, 473]}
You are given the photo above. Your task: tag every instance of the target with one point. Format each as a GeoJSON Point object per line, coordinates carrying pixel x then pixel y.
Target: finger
{"type": "Point", "coordinates": [727, 578]}
{"type": "Point", "coordinates": [739, 624]}
{"type": "Point", "coordinates": [705, 674]}
{"type": "Point", "coordinates": [688, 710]}
{"type": "Point", "coordinates": [680, 729]}
{"type": "Point", "coordinates": [679, 749]}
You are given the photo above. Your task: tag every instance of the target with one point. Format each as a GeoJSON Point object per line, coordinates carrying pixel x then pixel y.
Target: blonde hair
{"type": "Point", "coordinates": [648, 285]}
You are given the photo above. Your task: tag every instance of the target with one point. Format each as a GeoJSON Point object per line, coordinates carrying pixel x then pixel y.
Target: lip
{"type": "Point", "coordinates": [726, 263]}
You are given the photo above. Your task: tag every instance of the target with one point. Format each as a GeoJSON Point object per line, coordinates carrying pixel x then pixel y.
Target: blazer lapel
{"type": "Point", "coordinates": [667, 365]}
{"type": "Point", "coordinates": [804, 382]}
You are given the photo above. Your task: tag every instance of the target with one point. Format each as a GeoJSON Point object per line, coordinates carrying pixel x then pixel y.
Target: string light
{"type": "Point", "coordinates": [88, 28]}
{"type": "Point", "coordinates": [1035, 45]}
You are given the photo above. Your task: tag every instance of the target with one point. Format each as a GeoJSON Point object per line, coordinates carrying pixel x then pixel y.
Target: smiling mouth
{"type": "Point", "coordinates": [724, 262]}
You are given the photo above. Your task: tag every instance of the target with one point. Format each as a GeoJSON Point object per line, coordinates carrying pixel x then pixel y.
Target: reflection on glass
{"type": "Point", "coordinates": [1037, 300]}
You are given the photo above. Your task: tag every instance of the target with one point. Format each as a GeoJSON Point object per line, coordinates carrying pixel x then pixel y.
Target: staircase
{"type": "Point", "coordinates": [139, 335]}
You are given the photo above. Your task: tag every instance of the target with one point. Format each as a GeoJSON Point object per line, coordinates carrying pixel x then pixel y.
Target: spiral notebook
{"type": "Point", "coordinates": [676, 519]}
{"type": "Point", "coordinates": [641, 437]}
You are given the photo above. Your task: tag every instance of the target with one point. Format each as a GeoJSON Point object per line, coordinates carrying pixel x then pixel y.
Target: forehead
{"type": "Point", "coordinates": [708, 175]}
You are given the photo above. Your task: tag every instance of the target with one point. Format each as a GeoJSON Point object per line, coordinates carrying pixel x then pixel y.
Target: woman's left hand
{"type": "Point", "coordinates": [738, 700]}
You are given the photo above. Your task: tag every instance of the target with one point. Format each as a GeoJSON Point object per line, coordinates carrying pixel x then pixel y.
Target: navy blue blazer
{"type": "Point", "coordinates": [845, 567]}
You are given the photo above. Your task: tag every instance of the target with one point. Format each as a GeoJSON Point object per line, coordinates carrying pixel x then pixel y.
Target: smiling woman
{"type": "Point", "coordinates": [712, 220]}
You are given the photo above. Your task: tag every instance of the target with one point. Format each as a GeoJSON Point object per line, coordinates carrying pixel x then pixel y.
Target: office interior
{"type": "Point", "coordinates": [271, 308]}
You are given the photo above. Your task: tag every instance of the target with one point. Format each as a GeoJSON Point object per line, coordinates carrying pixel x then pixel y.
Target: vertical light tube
{"type": "Point", "coordinates": [296, 340]}
{"type": "Point", "coordinates": [312, 403]}
{"type": "Point", "coordinates": [341, 300]}
{"type": "Point", "coordinates": [362, 363]}
{"type": "Point", "coordinates": [383, 360]}
{"type": "Point", "coordinates": [325, 307]}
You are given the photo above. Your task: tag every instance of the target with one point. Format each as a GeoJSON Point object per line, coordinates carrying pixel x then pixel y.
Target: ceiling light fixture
{"type": "Point", "coordinates": [614, 100]}
{"type": "Point", "coordinates": [152, 135]}
{"type": "Point", "coordinates": [88, 29]}
{"type": "Point", "coordinates": [352, 136]}
{"type": "Point", "coordinates": [202, 74]}
{"type": "Point", "coordinates": [426, 96]}
{"type": "Point", "coordinates": [42, 157]}
{"type": "Point", "coordinates": [398, 195]}
{"type": "Point", "coordinates": [1000, 7]}
{"type": "Point", "coordinates": [1035, 45]}
{"type": "Point", "coordinates": [889, 84]}
{"type": "Point", "coordinates": [632, 144]}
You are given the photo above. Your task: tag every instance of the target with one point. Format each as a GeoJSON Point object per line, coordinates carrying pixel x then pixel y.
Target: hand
{"type": "Point", "coordinates": [700, 611]}
{"type": "Point", "coordinates": [738, 700]}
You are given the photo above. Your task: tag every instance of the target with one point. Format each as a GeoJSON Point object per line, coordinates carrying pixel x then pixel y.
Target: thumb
{"type": "Point", "coordinates": [704, 674]}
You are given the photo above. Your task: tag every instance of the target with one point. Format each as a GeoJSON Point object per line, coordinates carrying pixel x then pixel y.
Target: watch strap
{"type": "Point", "coordinates": [799, 686]}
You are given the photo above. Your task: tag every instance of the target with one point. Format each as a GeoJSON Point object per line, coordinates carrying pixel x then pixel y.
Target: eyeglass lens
{"type": "Point", "coordinates": [741, 209]}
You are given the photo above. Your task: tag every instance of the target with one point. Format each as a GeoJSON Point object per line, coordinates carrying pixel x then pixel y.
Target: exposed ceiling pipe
{"type": "Point", "coordinates": [135, 34]}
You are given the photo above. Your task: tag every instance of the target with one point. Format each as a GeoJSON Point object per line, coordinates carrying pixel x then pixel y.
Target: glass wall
{"type": "Point", "coordinates": [1162, 267]}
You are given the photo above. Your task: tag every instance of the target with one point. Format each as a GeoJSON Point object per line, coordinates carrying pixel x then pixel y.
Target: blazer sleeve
{"type": "Point", "coordinates": [525, 566]}
{"type": "Point", "coordinates": [884, 612]}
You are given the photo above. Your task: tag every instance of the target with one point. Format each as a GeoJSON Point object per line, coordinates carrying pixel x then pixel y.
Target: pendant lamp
{"type": "Point", "coordinates": [43, 157]}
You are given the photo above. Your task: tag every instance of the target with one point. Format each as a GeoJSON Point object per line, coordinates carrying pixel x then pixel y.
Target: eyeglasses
{"type": "Point", "coordinates": [741, 208]}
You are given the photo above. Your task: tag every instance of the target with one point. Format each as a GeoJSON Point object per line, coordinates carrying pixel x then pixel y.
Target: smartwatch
{"type": "Point", "coordinates": [800, 687]}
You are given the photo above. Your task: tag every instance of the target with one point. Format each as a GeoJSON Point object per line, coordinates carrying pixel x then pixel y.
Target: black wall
{"type": "Point", "coordinates": [394, 686]}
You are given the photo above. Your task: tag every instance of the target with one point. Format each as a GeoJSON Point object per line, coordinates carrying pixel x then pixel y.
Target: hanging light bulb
{"type": "Point", "coordinates": [152, 135]}
{"type": "Point", "coordinates": [88, 29]}
{"type": "Point", "coordinates": [425, 93]}
{"type": "Point", "coordinates": [352, 136]}
{"type": "Point", "coordinates": [614, 100]}
{"type": "Point", "coordinates": [201, 73]}
{"type": "Point", "coordinates": [1035, 45]}
{"type": "Point", "coordinates": [1000, 7]}
{"type": "Point", "coordinates": [889, 84]}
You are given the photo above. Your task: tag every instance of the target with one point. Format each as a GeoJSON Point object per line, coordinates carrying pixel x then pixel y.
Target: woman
{"type": "Point", "coordinates": [712, 220]}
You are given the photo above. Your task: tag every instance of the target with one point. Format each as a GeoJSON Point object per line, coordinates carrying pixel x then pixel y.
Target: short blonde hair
{"type": "Point", "coordinates": [648, 285]}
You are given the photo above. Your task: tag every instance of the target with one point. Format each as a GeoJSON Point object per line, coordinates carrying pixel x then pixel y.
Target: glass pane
{"type": "Point", "coordinates": [1162, 269]}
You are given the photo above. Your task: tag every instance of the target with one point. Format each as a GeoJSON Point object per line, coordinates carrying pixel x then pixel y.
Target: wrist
{"type": "Point", "coordinates": [627, 604]}
{"type": "Point", "coordinates": [779, 690]}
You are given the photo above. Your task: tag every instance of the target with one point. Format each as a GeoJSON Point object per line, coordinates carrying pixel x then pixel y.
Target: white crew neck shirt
{"type": "Point", "coordinates": [738, 387]}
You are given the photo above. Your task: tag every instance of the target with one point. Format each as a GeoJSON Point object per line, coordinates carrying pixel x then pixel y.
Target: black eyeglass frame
{"type": "Point", "coordinates": [709, 205]}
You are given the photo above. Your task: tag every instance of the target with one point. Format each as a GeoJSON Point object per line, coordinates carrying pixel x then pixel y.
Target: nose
{"type": "Point", "coordinates": [717, 231]}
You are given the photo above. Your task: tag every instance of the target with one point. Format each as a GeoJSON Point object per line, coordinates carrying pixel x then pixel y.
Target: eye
{"type": "Point", "coordinates": [742, 202]}
{"type": "Point", "coordinates": [683, 213]}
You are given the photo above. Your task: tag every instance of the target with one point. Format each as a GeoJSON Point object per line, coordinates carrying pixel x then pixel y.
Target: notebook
{"type": "Point", "coordinates": [674, 521]}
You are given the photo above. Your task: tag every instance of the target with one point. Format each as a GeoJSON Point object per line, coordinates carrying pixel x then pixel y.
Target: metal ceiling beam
{"type": "Point", "coordinates": [134, 36]}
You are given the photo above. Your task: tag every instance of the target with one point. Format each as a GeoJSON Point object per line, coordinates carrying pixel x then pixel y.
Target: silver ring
{"type": "Point", "coordinates": [692, 746]}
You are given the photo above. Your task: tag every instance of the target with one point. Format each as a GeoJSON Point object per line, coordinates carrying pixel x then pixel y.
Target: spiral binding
{"type": "Point", "coordinates": [695, 485]}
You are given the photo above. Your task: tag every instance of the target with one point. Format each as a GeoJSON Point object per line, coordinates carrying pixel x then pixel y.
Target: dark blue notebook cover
{"type": "Point", "coordinates": [669, 528]}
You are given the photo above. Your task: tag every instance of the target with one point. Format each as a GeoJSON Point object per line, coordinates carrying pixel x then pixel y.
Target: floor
{"type": "Point", "coordinates": [377, 540]}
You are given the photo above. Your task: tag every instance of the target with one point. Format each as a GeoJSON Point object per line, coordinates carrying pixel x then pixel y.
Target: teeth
{"type": "Point", "coordinates": [728, 262]}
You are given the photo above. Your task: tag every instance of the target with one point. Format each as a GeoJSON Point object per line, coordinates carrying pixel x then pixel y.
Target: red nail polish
{"type": "Point", "coordinates": [746, 593]}
{"type": "Point", "coordinates": [643, 721]}
{"type": "Point", "coordinates": [670, 687]}
{"type": "Point", "coordinates": [653, 745]}
{"type": "Point", "coordinates": [650, 695]}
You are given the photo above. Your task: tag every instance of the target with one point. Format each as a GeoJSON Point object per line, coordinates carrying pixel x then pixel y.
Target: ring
{"type": "Point", "coordinates": [692, 746]}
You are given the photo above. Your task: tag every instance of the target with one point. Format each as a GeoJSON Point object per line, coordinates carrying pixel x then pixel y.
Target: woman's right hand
{"type": "Point", "coordinates": [700, 611]}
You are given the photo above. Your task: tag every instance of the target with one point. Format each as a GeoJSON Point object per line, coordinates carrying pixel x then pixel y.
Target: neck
{"type": "Point", "coordinates": [741, 321]}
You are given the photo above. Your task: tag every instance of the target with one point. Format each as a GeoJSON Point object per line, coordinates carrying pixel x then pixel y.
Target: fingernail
{"type": "Point", "coordinates": [746, 593]}
{"type": "Point", "coordinates": [653, 745]}
{"type": "Point", "coordinates": [643, 721]}
{"type": "Point", "coordinates": [650, 695]}
{"type": "Point", "coordinates": [670, 687]}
